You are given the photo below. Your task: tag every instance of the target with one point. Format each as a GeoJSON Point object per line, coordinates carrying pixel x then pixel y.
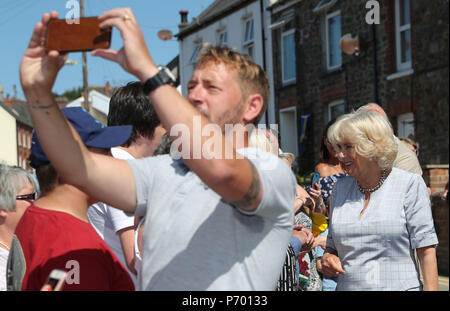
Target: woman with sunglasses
{"type": "Point", "coordinates": [17, 192]}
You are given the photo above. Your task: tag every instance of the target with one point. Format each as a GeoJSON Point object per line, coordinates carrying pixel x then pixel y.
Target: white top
{"type": "Point", "coordinates": [195, 240]}
{"type": "Point", "coordinates": [107, 220]}
{"type": "Point", "coordinates": [137, 253]}
{"type": "Point", "coordinates": [3, 260]}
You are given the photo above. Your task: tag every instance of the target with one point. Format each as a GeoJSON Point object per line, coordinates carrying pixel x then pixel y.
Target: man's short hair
{"type": "Point", "coordinates": [130, 106]}
{"type": "Point", "coordinates": [47, 178]}
{"type": "Point", "coordinates": [251, 77]}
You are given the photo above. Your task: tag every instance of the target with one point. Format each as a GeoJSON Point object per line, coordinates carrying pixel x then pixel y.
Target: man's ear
{"type": "Point", "coordinates": [255, 103]}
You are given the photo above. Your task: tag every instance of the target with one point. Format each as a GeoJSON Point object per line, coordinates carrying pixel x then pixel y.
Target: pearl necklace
{"type": "Point", "coordinates": [6, 246]}
{"type": "Point", "coordinates": [377, 186]}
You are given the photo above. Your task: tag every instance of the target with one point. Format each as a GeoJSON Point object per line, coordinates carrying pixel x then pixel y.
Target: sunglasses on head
{"type": "Point", "coordinates": [27, 197]}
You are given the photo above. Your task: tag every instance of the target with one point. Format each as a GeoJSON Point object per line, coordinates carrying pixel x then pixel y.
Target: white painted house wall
{"type": "Point", "coordinates": [234, 24]}
{"type": "Point", "coordinates": [98, 100]}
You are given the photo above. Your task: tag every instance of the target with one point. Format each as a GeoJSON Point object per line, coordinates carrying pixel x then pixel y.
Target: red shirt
{"type": "Point", "coordinates": [57, 240]}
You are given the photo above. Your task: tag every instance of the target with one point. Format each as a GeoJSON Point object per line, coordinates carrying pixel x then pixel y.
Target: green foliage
{"type": "Point", "coordinates": [73, 93]}
{"type": "Point", "coordinates": [302, 172]}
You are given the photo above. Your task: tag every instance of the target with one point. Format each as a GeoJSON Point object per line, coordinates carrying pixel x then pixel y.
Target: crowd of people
{"type": "Point", "coordinates": [131, 206]}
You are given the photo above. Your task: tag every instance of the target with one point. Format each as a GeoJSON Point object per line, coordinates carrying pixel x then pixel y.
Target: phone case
{"type": "Point", "coordinates": [85, 36]}
{"type": "Point", "coordinates": [315, 178]}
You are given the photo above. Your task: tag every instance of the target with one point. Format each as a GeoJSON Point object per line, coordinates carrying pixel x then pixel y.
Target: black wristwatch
{"type": "Point", "coordinates": [164, 76]}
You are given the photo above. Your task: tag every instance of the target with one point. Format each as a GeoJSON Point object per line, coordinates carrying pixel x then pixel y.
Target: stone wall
{"type": "Point", "coordinates": [440, 216]}
{"type": "Point", "coordinates": [424, 92]}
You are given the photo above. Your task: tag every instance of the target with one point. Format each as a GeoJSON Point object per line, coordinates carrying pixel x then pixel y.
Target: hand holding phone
{"type": "Point", "coordinates": [55, 281]}
{"type": "Point", "coordinates": [315, 179]}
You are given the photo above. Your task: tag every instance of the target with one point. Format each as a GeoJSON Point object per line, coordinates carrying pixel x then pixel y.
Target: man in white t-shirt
{"type": "Point", "coordinates": [128, 106]}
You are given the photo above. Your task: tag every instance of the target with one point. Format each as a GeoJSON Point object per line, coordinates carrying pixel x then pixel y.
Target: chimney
{"type": "Point", "coordinates": [184, 19]}
{"type": "Point", "coordinates": [107, 87]}
{"type": "Point", "coordinates": [8, 101]}
{"type": "Point", "coordinates": [1, 92]}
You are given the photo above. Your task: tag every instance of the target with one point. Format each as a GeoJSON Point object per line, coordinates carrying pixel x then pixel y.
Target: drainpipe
{"type": "Point", "coordinates": [263, 33]}
{"type": "Point", "coordinates": [374, 56]}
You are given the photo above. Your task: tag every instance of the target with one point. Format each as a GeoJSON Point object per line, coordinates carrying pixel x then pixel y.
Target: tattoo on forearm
{"type": "Point", "coordinates": [253, 190]}
{"type": "Point", "coordinates": [37, 105]}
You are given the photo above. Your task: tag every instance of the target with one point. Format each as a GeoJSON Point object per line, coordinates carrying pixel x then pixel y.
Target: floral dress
{"type": "Point", "coordinates": [309, 276]}
{"type": "Point", "coordinates": [326, 185]}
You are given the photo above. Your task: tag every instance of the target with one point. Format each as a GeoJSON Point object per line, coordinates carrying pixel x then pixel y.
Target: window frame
{"type": "Point", "coordinates": [294, 79]}
{"type": "Point", "coordinates": [220, 35]}
{"type": "Point", "coordinates": [329, 16]}
{"type": "Point", "coordinates": [247, 40]}
{"type": "Point", "coordinates": [333, 104]}
{"type": "Point", "coordinates": [399, 29]}
{"type": "Point", "coordinates": [196, 51]}
{"type": "Point", "coordinates": [249, 43]}
{"type": "Point", "coordinates": [402, 121]}
{"type": "Point", "coordinates": [296, 124]}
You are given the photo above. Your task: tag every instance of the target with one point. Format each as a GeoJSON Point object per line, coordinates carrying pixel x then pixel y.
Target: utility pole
{"type": "Point", "coordinates": [87, 105]}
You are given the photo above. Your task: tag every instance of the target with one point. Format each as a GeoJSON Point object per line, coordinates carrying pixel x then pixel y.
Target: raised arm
{"type": "Point", "coordinates": [102, 177]}
{"type": "Point", "coordinates": [236, 180]}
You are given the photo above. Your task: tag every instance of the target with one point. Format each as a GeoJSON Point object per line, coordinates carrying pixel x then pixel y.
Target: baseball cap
{"type": "Point", "coordinates": [92, 132]}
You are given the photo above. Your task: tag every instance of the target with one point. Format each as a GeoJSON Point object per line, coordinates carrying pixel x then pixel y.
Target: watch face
{"type": "Point", "coordinates": [169, 74]}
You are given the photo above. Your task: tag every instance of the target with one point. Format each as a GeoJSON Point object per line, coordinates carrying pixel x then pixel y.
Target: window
{"type": "Point", "coordinates": [324, 5]}
{"type": "Point", "coordinates": [195, 53]}
{"type": "Point", "coordinates": [405, 125]}
{"type": "Point", "coordinates": [332, 38]}
{"type": "Point", "coordinates": [288, 56]}
{"type": "Point", "coordinates": [335, 109]}
{"type": "Point", "coordinates": [403, 34]}
{"type": "Point", "coordinates": [222, 39]}
{"type": "Point", "coordinates": [249, 37]}
{"type": "Point", "coordinates": [250, 50]}
{"type": "Point", "coordinates": [288, 130]}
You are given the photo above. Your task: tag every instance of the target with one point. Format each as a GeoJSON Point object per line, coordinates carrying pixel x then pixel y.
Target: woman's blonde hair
{"type": "Point", "coordinates": [260, 139]}
{"type": "Point", "coordinates": [370, 133]}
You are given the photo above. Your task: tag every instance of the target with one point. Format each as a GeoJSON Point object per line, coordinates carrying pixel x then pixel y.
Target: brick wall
{"type": "Point", "coordinates": [440, 216]}
{"type": "Point", "coordinates": [423, 92]}
{"type": "Point", "coordinates": [436, 177]}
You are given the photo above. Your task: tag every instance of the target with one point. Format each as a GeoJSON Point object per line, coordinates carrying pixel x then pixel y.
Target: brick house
{"type": "Point", "coordinates": [408, 78]}
{"type": "Point", "coordinates": [402, 64]}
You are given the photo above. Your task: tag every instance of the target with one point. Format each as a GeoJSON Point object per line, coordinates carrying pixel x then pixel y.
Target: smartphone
{"type": "Point", "coordinates": [85, 36]}
{"type": "Point", "coordinates": [315, 178]}
{"type": "Point", "coordinates": [57, 279]}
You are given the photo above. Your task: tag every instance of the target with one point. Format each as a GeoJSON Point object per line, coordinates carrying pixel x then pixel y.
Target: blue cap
{"type": "Point", "coordinates": [92, 132]}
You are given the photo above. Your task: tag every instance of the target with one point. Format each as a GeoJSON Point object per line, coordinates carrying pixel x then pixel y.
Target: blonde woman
{"type": "Point", "coordinates": [379, 214]}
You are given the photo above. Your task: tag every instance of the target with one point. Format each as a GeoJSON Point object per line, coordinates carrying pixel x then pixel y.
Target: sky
{"type": "Point", "coordinates": [20, 16]}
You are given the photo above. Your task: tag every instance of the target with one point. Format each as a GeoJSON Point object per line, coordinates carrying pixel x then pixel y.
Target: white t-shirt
{"type": "Point", "coordinates": [3, 260]}
{"type": "Point", "coordinates": [195, 240]}
{"type": "Point", "coordinates": [107, 220]}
